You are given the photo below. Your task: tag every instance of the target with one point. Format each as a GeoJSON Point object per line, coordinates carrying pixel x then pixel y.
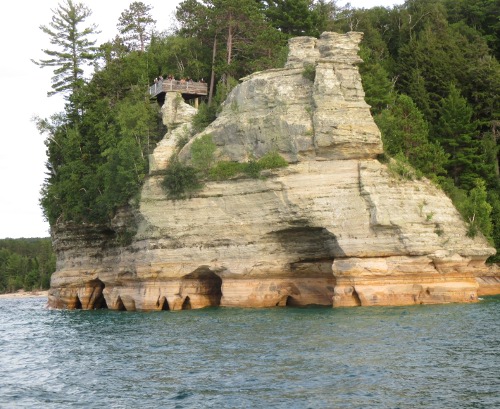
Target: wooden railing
{"type": "Point", "coordinates": [184, 87]}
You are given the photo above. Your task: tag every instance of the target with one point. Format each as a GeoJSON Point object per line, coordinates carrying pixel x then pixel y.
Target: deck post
{"type": "Point", "coordinates": [196, 102]}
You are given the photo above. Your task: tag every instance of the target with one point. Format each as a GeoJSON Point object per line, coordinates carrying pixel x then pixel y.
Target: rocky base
{"type": "Point", "coordinates": [262, 293]}
{"type": "Point", "coordinates": [489, 281]}
{"type": "Point", "coordinates": [204, 288]}
{"type": "Point", "coordinates": [194, 293]}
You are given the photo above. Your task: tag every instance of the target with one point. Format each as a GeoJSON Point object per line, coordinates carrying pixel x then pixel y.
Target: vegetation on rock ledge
{"type": "Point", "coordinates": [181, 180]}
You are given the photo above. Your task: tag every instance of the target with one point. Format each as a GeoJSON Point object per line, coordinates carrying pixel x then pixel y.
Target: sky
{"type": "Point", "coordinates": [24, 89]}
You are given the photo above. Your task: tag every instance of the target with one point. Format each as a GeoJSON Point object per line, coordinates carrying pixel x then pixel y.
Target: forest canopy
{"type": "Point", "coordinates": [431, 75]}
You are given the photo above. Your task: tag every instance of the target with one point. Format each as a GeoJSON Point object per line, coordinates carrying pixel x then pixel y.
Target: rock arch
{"type": "Point", "coordinates": [202, 287]}
{"type": "Point", "coordinates": [77, 304]}
{"type": "Point", "coordinates": [186, 305]}
{"type": "Point", "coordinates": [355, 297]}
{"type": "Point", "coordinates": [292, 302]}
{"type": "Point", "coordinates": [119, 306]}
{"type": "Point", "coordinates": [90, 296]}
{"type": "Point", "coordinates": [163, 304]}
{"type": "Point", "coordinates": [96, 299]}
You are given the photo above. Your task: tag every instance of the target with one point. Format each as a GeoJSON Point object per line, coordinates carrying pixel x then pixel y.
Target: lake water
{"type": "Point", "coordinates": [445, 356]}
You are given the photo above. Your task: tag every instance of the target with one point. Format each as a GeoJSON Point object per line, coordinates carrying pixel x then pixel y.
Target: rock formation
{"type": "Point", "coordinates": [336, 227]}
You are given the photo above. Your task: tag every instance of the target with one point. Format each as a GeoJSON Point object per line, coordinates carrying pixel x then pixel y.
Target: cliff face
{"type": "Point", "coordinates": [333, 228]}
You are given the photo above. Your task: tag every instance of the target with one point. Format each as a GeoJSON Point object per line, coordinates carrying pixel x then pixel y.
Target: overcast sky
{"type": "Point", "coordinates": [24, 89]}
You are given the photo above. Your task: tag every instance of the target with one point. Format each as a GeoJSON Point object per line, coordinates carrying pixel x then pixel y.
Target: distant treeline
{"type": "Point", "coordinates": [26, 263]}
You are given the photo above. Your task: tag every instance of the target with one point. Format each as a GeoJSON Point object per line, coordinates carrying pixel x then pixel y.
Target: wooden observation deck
{"type": "Point", "coordinates": [188, 89]}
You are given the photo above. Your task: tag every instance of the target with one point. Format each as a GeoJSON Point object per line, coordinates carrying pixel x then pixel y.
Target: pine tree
{"type": "Point", "coordinates": [231, 29]}
{"type": "Point", "coordinates": [494, 201]}
{"type": "Point", "coordinates": [477, 210]}
{"type": "Point", "coordinates": [457, 134]}
{"type": "Point", "coordinates": [74, 49]}
{"type": "Point", "coordinates": [403, 127]}
{"type": "Point", "coordinates": [135, 25]}
{"type": "Point", "coordinates": [293, 17]}
{"type": "Point", "coordinates": [378, 88]}
{"type": "Point", "coordinates": [405, 131]}
{"type": "Point", "coordinates": [481, 14]}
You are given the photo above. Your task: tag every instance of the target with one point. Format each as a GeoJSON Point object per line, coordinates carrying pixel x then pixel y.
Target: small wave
{"type": "Point", "coordinates": [182, 395]}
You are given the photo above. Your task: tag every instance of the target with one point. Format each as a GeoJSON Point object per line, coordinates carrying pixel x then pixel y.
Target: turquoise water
{"type": "Point", "coordinates": [444, 356]}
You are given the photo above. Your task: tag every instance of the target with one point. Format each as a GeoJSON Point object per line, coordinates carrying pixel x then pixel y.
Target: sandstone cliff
{"type": "Point", "coordinates": [335, 227]}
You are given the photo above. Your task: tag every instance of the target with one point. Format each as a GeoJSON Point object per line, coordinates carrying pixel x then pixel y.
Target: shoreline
{"type": "Point", "coordinates": [26, 294]}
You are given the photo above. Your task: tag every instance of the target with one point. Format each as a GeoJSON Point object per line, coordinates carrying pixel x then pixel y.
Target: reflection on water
{"type": "Point", "coordinates": [443, 356]}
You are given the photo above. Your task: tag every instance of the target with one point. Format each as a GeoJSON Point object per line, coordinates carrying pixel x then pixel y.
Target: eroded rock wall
{"type": "Point", "coordinates": [334, 228]}
{"type": "Point", "coordinates": [302, 118]}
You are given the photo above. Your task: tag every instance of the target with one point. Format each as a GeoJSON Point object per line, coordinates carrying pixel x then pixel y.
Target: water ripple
{"type": "Point", "coordinates": [401, 357]}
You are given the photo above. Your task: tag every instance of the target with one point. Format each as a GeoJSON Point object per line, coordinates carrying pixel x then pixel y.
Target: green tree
{"type": "Point", "coordinates": [125, 157]}
{"type": "Point", "coordinates": [97, 161]}
{"type": "Point", "coordinates": [404, 130]}
{"type": "Point", "coordinates": [31, 280]}
{"type": "Point", "coordinates": [480, 14]}
{"type": "Point", "coordinates": [325, 12]}
{"type": "Point", "coordinates": [180, 180]}
{"type": "Point", "coordinates": [15, 269]}
{"type": "Point", "coordinates": [479, 76]}
{"type": "Point", "coordinates": [179, 56]}
{"type": "Point", "coordinates": [4, 257]}
{"type": "Point", "coordinates": [136, 116]}
{"type": "Point", "coordinates": [26, 263]}
{"type": "Point", "coordinates": [477, 210]}
{"type": "Point", "coordinates": [235, 31]}
{"type": "Point", "coordinates": [292, 17]}
{"type": "Point", "coordinates": [494, 201]}
{"type": "Point", "coordinates": [426, 67]}
{"type": "Point", "coordinates": [73, 47]}
{"type": "Point", "coordinates": [492, 150]}
{"type": "Point", "coordinates": [135, 25]}
{"type": "Point", "coordinates": [379, 92]}
{"type": "Point", "coordinates": [457, 134]}
{"type": "Point", "coordinates": [202, 153]}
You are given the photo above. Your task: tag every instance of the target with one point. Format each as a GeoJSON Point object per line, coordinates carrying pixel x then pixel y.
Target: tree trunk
{"type": "Point", "coordinates": [495, 137]}
{"type": "Point", "coordinates": [229, 48]}
{"type": "Point", "coordinates": [229, 44]}
{"type": "Point", "coordinates": [212, 76]}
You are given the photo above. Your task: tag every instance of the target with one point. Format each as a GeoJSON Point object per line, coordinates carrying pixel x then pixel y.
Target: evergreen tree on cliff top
{"type": "Point", "coordinates": [73, 47]}
{"type": "Point", "coordinates": [135, 25]}
{"type": "Point", "coordinates": [293, 17]}
{"type": "Point", "coordinates": [235, 31]}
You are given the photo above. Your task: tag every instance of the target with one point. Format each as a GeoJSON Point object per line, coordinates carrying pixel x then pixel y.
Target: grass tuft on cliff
{"type": "Point", "coordinates": [309, 72]}
{"type": "Point", "coordinates": [181, 180]}
{"type": "Point", "coordinates": [225, 170]}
